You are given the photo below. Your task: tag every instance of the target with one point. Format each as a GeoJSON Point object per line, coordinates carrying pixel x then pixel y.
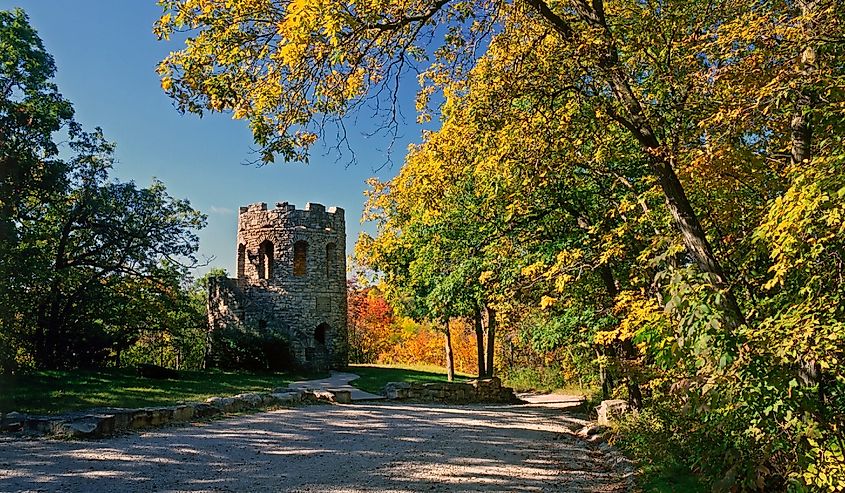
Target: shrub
{"type": "Point", "coordinates": [237, 349]}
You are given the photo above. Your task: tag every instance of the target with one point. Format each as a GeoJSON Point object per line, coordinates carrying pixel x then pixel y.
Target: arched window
{"type": "Point", "coordinates": [330, 259]}
{"type": "Point", "coordinates": [241, 261]}
{"type": "Point", "coordinates": [300, 252]}
{"type": "Point", "coordinates": [265, 260]}
{"type": "Point", "coordinates": [320, 333]}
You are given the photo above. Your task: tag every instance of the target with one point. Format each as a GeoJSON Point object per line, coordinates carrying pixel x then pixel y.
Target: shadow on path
{"type": "Point", "coordinates": [375, 447]}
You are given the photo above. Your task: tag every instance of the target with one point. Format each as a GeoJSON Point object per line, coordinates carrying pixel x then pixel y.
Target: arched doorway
{"type": "Point", "coordinates": [320, 334]}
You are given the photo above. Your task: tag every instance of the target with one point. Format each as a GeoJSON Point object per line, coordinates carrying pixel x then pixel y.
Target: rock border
{"type": "Point", "coordinates": [596, 433]}
{"type": "Point", "coordinates": [487, 390]}
{"type": "Point", "coordinates": [96, 423]}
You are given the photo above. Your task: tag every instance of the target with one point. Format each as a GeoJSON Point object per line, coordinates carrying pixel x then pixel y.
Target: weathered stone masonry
{"type": "Point", "coordinates": [291, 280]}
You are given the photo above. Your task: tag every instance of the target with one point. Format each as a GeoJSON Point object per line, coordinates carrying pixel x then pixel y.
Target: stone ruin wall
{"type": "Point", "coordinates": [488, 390]}
{"type": "Point", "coordinates": [277, 290]}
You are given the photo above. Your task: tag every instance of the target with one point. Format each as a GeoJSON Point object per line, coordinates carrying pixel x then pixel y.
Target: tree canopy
{"type": "Point", "coordinates": [655, 186]}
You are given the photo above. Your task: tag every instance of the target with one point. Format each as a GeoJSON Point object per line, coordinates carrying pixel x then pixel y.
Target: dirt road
{"type": "Point", "coordinates": [375, 447]}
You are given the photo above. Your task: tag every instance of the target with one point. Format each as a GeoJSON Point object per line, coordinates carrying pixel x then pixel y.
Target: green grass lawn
{"type": "Point", "coordinates": [51, 392]}
{"type": "Point", "coordinates": [375, 377]}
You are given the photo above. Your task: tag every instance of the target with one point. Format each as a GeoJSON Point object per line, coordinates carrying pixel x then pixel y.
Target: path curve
{"type": "Point", "coordinates": [382, 447]}
{"type": "Point", "coordinates": [337, 381]}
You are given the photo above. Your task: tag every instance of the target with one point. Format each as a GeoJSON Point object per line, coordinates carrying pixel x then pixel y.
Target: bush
{"type": "Point", "coordinates": [667, 448]}
{"type": "Point", "coordinates": [7, 356]}
{"type": "Point", "coordinates": [542, 379]}
{"type": "Point", "coordinates": [182, 349]}
{"type": "Point", "coordinates": [752, 442]}
{"type": "Point", "coordinates": [232, 348]}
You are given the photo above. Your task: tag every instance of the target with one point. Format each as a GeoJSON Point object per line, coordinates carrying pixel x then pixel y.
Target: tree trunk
{"type": "Point", "coordinates": [491, 341]}
{"type": "Point", "coordinates": [635, 395]}
{"type": "Point", "coordinates": [206, 357]}
{"type": "Point", "coordinates": [450, 358]}
{"type": "Point", "coordinates": [801, 125]}
{"type": "Point", "coordinates": [629, 351]}
{"type": "Point", "coordinates": [40, 338]}
{"type": "Point", "coordinates": [479, 343]}
{"type": "Point", "coordinates": [604, 375]}
{"type": "Point", "coordinates": [683, 215]}
{"type": "Point", "coordinates": [49, 355]}
{"type": "Point", "coordinates": [615, 75]}
{"type": "Point", "coordinates": [802, 132]}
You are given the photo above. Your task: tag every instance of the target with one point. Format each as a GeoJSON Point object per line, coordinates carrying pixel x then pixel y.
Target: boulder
{"type": "Point", "coordinates": [397, 390]}
{"type": "Point", "coordinates": [91, 426]}
{"type": "Point", "coordinates": [79, 429]}
{"type": "Point", "coordinates": [12, 421]}
{"type": "Point", "coordinates": [267, 400]}
{"type": "Point", "coordinates": [611, 410]}
{"type": "Point", "coordinates": [342, 396]}
{"type": "Point", "coordinates": [287, 397]}
{"type": "Point", "coordinates": [249, 400]}
{"type": "Point", "coordinates": [487, 383]}
{"type": "Point", "coordinates": [224, 404]}
{"type": "Point", "coordinates": [202, 410]}
{"type": "Point", "coordinates": [141, 418]}
{"type": "Point", "coordinates": [161, 415]}
{"type": "Point", "coordinates": [122, 419]}
{"type": "Point", "coordinates": [593, 432]}
{"type": "Point", "coordinates": [183, 413]}
{"type": "Point", "coordinates": [319, 395]}
{"type": "Point", "coordinates": [44, 425]}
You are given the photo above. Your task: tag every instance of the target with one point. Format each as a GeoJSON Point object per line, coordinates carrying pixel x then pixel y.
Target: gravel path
{"type": "Point", "coordinates": [373, 447]}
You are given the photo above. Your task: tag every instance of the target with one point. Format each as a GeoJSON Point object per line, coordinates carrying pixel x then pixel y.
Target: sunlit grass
{"type": "Point", "coordinates": [374, 377]}
{"type": "Point", "coordinates": [50, 392]}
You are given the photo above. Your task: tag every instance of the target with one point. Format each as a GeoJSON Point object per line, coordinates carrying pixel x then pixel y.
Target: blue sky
{"type": "Point", "coordinates": [105, 55]}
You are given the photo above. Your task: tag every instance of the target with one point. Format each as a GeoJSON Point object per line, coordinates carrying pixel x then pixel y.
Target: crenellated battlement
{"type": "Point", "coordinates": [287, 216]}
{"type": "Point", "coordinates": [285, 207]}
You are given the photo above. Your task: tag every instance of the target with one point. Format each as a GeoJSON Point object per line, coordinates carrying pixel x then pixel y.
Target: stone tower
{"type": "Point", "coordinates": [291, 282]}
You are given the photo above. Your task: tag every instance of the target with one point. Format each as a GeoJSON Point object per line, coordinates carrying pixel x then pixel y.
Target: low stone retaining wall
{"type": "Point", "coordinates": [108, 421]}
{"type": "Point", "coordinates": [482, 391]}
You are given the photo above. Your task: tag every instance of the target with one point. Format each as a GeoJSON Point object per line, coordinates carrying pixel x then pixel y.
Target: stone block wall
{"type": "Point", "coordinates": [109, 421]}
{"type": "Point", "coordinates": [488, 390]}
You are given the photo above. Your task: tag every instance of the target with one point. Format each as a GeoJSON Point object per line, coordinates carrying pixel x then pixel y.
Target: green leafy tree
{"type": "Point", "coordinates": [75, 244]}
{"type": "Point", "coordinates": [101, 233]}
{"type": "Point", "coordinates": [166, 322]}
{"type": "Point", "coordinates": [31, 110]}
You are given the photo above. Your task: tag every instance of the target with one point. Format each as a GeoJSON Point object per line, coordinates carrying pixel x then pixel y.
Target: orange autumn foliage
{"type": "Point", "coordinates": [377, 335]}
{"type": "Point", "coordinates": [370, 323]}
